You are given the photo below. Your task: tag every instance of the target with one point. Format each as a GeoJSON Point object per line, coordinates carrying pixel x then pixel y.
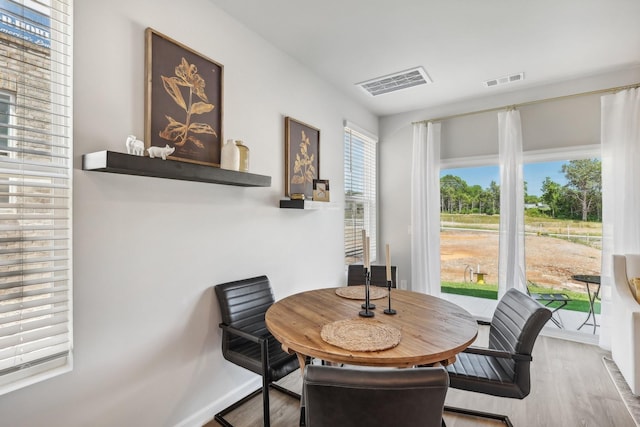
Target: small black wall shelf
{"type": "Point", "coordinates": [113, 162]}
{"type": "Point", "coordinates": [306, 204]}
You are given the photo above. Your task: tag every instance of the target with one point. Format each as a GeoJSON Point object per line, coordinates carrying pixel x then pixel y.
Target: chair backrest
{"type": "Point", "coordinates": [340, 396]}
{"type": "Point", "coordinates": [243, 304]}
{"type": "Point", "coordinates": [516, 324]}
{"type": "Point", "coordinates": [355, 275]}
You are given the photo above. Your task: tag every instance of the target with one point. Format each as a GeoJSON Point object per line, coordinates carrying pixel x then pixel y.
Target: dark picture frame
{"type": "Point", "coordinates": [321, 190]}
{"type": "Point", "coordinates": [183, 100]}
{"type": "Point", "coordinates": [301, 157]}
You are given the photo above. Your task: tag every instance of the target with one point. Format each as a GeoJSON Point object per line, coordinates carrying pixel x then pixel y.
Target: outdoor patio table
{"type": "Point", "coordinates": [589, 280]}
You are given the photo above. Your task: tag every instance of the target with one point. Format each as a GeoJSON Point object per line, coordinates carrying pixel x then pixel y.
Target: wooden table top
{"type": "Point", "coordinates": [433, 330]}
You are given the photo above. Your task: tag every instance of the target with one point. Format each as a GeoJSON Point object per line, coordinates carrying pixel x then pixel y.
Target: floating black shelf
{"type": "Point", "coordinates": [292, 204]}
{"type": "Point", "coordinates": [113, 162]}
{"type": "Point", "coordinates": [306, 204]}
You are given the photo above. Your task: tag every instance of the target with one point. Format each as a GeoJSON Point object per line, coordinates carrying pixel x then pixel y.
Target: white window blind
{"type": "Point", "coordinates": [360, 187]}
{"type": "Point", "coordinates": [35, 190]}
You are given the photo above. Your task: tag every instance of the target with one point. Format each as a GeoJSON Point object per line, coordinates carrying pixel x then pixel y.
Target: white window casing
{"type": "Point", "coordinates": [360, 188]}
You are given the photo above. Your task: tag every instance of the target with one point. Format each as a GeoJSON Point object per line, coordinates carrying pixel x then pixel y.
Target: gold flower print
{"type": "Point", "coordinates": [177, 132]}
{"type": "Point", "coordinates": [303, 169]}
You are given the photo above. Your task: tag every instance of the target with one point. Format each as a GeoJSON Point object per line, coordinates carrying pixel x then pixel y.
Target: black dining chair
{"type": "Point", "coordinates": [247, 342]}
{"type": "Point", "coordinates": [350, 397]}
{"type": "Point", "coordinates": [502, 369]}
{"type": "Point", "coordinates": [355, 275]}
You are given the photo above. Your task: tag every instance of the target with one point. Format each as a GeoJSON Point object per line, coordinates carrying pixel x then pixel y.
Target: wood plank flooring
{"type": "Point", "coordinates": [570, 387]}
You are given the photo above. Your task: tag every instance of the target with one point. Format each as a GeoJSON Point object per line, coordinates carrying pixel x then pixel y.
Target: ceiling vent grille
{"type": "Point", "coordinates": [504, 80]}
{"type": "Point", "coordinates": [396, 81]}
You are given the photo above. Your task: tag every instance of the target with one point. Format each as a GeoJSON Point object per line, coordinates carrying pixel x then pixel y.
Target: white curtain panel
{"type": "Point", "coordinates": [511, 262]}
{"type": "Point", "coordinates": [620, 138]}
{"type": "Point", "coordinates": [425, 209]}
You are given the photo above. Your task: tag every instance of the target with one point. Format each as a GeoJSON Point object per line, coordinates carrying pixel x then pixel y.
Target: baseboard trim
{"type": "Point", "coordinates": [575, 336]}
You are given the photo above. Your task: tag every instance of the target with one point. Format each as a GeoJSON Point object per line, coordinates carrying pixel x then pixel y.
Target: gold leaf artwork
{"type": "Point", "coordinates": [303, 168]}
{"type": "Point", "coordinates": [177, 132]}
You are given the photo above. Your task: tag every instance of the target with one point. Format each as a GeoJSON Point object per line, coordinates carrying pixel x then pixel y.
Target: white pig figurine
{"type": "Point", "coordinates": [160, 151]}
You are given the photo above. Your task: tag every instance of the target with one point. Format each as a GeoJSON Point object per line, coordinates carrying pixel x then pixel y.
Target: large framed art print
{"type": "Point", "coordinates": [302, 157]}
{"type": "Point", "coordinates": [183, 100]}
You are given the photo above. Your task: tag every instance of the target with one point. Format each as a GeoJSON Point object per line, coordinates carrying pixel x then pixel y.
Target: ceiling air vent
{"type": "Point", "coordinates": [396, 81]}
{"type": "Point", "coordinates": [504, 80]}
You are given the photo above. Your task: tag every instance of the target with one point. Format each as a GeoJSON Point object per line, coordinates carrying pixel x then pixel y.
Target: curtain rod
{"type": "Point", "coordinates": [513, 106]}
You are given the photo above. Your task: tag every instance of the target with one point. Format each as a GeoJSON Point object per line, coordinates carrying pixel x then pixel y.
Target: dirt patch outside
{"type": "Point", "coordinates": [550, 261]}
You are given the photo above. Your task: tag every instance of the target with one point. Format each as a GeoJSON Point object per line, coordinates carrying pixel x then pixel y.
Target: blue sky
{"type": "Point", "coordinates": [534, 175]}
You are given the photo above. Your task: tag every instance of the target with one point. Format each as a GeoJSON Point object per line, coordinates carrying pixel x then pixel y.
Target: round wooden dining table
{"type": "Point", "coordinates": [432, 329]}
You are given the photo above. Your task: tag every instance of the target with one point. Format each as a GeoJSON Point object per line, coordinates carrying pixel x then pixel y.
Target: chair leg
{"type": "Point", "coordinates": [265, 402]}
{"type": "Point", "coordinates": [505, 419]}
{"type": "Point", "coordinates": [219, 417]}
{"type": "Point", "coordinates": [285, 390]}
{"type": "Point", "coordinates": [557, 323]}
{"type": "Point", "coordinates": [303, 417]}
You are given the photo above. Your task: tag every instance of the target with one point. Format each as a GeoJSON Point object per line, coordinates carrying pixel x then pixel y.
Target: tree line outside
{"type": "Point", "coordinates": [579, 199]}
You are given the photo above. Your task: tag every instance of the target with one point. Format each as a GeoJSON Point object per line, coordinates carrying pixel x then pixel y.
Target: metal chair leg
{"type": "Point", "coordinates": [505, 419]}
{"type": "Point", "coordinates": [219, 417]}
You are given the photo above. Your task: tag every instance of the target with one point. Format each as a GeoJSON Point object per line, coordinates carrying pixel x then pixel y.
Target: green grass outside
{"type": "Point", "coordinates": [580, 301]}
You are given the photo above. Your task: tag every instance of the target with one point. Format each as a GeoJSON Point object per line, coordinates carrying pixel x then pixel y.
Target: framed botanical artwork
{"type": "Point", "coordinates": [183, 101]}
{"type": "Point", "coordinates": [301, 157]}
{"type": "Point", "coordinates": [321, 190]}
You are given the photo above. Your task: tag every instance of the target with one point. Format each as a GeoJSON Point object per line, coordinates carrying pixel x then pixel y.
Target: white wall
{"type": "Point", "coordinates": [546, 126]}
{"type": "Point", "coordinates": [147, 251]}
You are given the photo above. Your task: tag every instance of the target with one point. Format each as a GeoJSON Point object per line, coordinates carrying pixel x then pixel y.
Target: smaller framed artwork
{"type": "Point", "coordinates": [183, 101]}
{"type": "Point", "coordinates": [321, 190]}
{"type": "Point", "coordinates": [301, 157]}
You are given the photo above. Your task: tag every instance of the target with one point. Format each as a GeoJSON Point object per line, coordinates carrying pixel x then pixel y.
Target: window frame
{"type": "Point", "coordinates": [36, 275]}
{"type": "Point", "coordinates": [532, 156]}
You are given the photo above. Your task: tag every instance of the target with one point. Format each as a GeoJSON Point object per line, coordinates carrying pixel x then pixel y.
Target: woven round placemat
{"type": "Point", "coordinates": [357, 292]}
{"type": "Point", "coordinates": [361, 335]}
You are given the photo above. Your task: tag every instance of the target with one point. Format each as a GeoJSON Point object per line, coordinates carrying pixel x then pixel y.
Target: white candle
{"type": "Point", "coordinates": [478, 270]}
{"type": "Point", "coordinates": [364, 248]}
{"type": "Point", "coordinates": [368, 254]}
{"type": "Point", "coordinates": [388, 264]}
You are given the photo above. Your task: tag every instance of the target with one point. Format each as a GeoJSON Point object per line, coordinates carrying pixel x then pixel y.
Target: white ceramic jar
{"type": "Point", "coordinates": [230, 156]}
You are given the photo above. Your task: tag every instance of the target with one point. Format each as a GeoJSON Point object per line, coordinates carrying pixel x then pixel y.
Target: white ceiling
{"type": "Point", "coordinates": [460, 43]}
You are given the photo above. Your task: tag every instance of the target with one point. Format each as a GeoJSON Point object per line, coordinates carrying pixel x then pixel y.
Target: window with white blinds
{"type": "Point", "coordinates": [35, 190]}
{"type": "Point", "coordinates": [360, 188]}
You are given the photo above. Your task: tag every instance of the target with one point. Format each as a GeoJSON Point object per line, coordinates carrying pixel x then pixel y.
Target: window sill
{"type": "Point", "coordinates": [35, 374]}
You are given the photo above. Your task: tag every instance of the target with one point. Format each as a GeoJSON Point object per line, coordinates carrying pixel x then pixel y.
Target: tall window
{"type": "Point", "coordinates": [360, 189]}
{"type": "Point", "coordinates": [563, 230]}
{"type": "Point", "coordinates": [35, 178]}
{"type": "Point", "coordinates": [469, 230]}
